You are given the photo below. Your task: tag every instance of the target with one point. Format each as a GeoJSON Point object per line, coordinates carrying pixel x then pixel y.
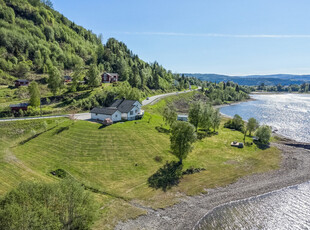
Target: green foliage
{"type": "Point", "coordinates": [63, 205]}
{"type": "Point", "coordinates": [93, 76]}
{"type": "Point", "coordinates": [182, 137]}
{"type": "Point", "coordinates": [55, 81]}
{"type": "Point", "coordinates": [252, 125]}
{"type": "Point", "coordinates": [236, 123]}
{"type": "Point", "coordinates": [170, 115]}
{"type": "Point", "coordinates": [216, 119]}
{"type": "Point", "coordinates": [194, 114]}
{"type": "Point", "coordinates": [264, 134]}
{"type": "Point", "coordinates": [34, 94]}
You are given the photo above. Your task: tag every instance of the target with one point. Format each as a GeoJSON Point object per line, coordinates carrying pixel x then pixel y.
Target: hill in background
{"type": "Point", "coordinates": [251, 80]}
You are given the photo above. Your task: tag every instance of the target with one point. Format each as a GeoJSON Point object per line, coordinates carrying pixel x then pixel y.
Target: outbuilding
{"type": "Point", "coordinates": [109, 77]}
{"type": "Point", "coordinates": [17, 107]}
{"type": "Point", "coordinates": [21, 82]}
{"type": "Point", "coordinates": [182, 117]}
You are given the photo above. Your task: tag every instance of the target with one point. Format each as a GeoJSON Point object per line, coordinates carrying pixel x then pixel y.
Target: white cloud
{"type": "Point", "coordinates": [217, 35]}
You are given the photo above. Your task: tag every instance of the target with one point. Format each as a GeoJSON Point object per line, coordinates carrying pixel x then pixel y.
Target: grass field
{"type": "Point", "coordinates": [117, 160]}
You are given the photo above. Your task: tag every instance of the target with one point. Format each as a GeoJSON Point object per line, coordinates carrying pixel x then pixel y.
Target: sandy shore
{"type": "Point", "coordinates": [186, 214]}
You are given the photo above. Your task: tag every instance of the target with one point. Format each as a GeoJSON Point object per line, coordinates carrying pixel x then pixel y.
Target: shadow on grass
{"type": "Point", "coordinates": [261, 146]}
{"type": "Point", "coordinates": [61, 129]}
{"type": "Point", "coordinates": [162, 130]}
{"type": "Point", "coordinates": [34, 136]}
{"type": "Point", "coordinates": [167, 176]}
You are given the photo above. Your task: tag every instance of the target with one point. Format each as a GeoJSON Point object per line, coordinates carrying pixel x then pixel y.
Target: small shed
{"type": "Point", "coordinates": [17, 107]}
{"type": "Point", "coordinates": [21, 82]}
{"type": "Point", "coordinates": [182, 117]}
{"type": "Point", "coordinates": [109, 77]}
{"type": "Point", "coordinates": [67, 79]}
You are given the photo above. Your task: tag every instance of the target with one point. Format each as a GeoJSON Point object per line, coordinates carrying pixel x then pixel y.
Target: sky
{"type": "Point", "coordinates": [234, 37]}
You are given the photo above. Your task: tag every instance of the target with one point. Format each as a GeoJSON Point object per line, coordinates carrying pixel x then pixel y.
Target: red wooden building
{"type": "Point", "coordinates": [20, 106]}
{"type": "Point", "coordinates": [21, 82]}
{"type": "Point", "coordinates": [109, 77]}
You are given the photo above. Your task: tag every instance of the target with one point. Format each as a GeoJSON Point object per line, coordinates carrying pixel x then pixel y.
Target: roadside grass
{"type": "Point", "coordinates": [117, 160]}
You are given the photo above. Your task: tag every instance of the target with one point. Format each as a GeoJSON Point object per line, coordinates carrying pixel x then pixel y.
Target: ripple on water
{"type": "Point", "coordinates": [288, 208]}
{"type": "Point", "coordinates": [289, 113]}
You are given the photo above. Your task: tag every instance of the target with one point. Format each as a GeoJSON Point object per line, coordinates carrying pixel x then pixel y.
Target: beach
{"type": "Point", "coordinates": [294, 169]}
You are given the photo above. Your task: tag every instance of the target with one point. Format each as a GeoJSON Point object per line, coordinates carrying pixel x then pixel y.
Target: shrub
{"type": "Point", "coordinates": [158, 158]}
{"type": "Point", "coordinates": [264, 134]}
{"type": "Point", "coordinates": [236, 123]}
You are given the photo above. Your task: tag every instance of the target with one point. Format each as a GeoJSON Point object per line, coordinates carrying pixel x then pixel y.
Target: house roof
{"type": "Point", "coordinates": [19, 105]}
{"type": "Point", "coordinates": [123, 105]}
{"type": "Point", "coordinates": [22, 80]}
{"type": "Point", "coordinates": [112, 74]}
{"type": "Point", "coordinates": [67, 78]}
{"type": "Point", "coordinates": [104, 110]}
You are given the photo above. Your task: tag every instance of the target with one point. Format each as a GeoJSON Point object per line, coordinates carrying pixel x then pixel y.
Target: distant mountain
{"type": "Point", "coordinates": [274, 79]}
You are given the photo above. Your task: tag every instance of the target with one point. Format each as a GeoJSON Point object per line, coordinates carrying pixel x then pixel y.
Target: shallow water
{"type": "Point", "coordinates": [288, 208]}
{"type": "Point", "coordinates": [283, 209]}
{"type": "Point", "coordinates": [288, 113]}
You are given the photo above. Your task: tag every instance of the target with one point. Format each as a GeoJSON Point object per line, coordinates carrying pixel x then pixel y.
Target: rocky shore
{"type": "Point", "coordinates": [294, 170]}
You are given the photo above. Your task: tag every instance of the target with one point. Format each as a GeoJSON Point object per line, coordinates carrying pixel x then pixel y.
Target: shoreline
{"type": "Point", "coordinates": [294, 170]}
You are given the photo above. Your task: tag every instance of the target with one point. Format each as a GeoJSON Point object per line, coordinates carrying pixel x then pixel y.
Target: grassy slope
{"type": "Point", "coordinates": [106, 159]}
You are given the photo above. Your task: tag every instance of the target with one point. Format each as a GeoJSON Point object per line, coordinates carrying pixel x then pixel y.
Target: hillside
{"type": "Point", "coordinates": [39, 44]}
{"type": "Point", "coordinates": [116, 161]}
{"type": "Point", "coordinates": [252, 80]}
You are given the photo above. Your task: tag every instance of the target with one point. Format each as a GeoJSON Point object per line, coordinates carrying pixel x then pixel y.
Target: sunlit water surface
{"type": "Point", "coordinates": [289, 113]}
{"type": "Point", "coordinates": [288, 208]}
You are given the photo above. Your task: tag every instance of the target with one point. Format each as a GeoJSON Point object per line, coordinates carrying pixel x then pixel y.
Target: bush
{"type": "Point", "coordinates": [264, 134]}
{"type": "Point", "coordinates": [63, 205]}
{"type": "Point", "coordinates": [158, 158]}
{"type": "Point", "coordinates": [236, 123]}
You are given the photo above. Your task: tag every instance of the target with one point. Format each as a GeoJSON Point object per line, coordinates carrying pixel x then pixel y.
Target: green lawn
{"type": "Point", "coordinates": [118, 160]}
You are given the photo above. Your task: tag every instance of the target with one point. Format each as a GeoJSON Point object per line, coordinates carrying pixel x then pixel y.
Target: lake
{"type": "Point", "coordinates": [288, 208]}
{"type": "Point", "coordinates": [288, 113]}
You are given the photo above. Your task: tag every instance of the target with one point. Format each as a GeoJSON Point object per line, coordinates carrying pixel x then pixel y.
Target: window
{"type": "Point", "coordinates": [136, 110]}
{"type": "Point", "coordinates": [115, 115]}
{"type": "Point", "coordinates": [96, 114]}
{"type": "Point", "coordinates": [131, 112]}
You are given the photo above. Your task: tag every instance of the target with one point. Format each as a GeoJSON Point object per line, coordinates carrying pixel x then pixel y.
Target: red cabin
{"type": "Point", "coordinates": [21, 82]}
{"type": "Point", "coordinates": [109, 77]}
{"type": "Point", "coordinates": [17, 107]}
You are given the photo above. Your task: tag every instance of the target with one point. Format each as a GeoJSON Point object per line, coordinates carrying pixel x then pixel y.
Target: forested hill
{"type": "Point", "coordinates": [36, 40]}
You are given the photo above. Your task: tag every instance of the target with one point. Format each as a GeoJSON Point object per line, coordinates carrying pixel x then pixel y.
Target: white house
{"type": "Point", "coordinates": [130, 109]}
{"type": "Point", "coordinates": [108, 112]}
{"type": "Point", "coordinates": [120, 110]}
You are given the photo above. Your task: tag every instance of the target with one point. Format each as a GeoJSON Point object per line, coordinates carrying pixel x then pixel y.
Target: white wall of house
{"type": "Point", "coordinates": [117, 116]}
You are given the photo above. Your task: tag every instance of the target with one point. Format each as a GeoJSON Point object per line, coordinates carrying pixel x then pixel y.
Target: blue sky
{"type": "Point", "coordinates": [235, 37]}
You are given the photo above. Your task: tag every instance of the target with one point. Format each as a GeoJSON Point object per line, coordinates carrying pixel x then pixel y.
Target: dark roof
{"type": "Point", "coordinates": [19, 105]}
{"type": "Point", "coordinates": [112, 74]}
{"type": "Point", "coordinates": [123, 105]}
{"type": "Point", "coordinates": [104, 110]}
{"type": "Point", "coordinates": [67, 78]}
{"type": "Point", "coordinates": [22, 80]}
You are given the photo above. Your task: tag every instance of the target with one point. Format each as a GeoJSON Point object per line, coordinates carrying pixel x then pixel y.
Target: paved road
{"type": "Point", "coordinates": [154, 98]}
{"type": "Point", "coordinates": [87, 116]}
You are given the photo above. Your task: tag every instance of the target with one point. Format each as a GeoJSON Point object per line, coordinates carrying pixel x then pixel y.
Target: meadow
{"type": "Point", "coordinates": [116, 161]}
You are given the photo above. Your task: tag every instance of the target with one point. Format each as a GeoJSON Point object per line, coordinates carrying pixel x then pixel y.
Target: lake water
{"type": "Point", "coordinates": [288, 113]}
{"type": "Point", "coordinates": [288, 208]}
